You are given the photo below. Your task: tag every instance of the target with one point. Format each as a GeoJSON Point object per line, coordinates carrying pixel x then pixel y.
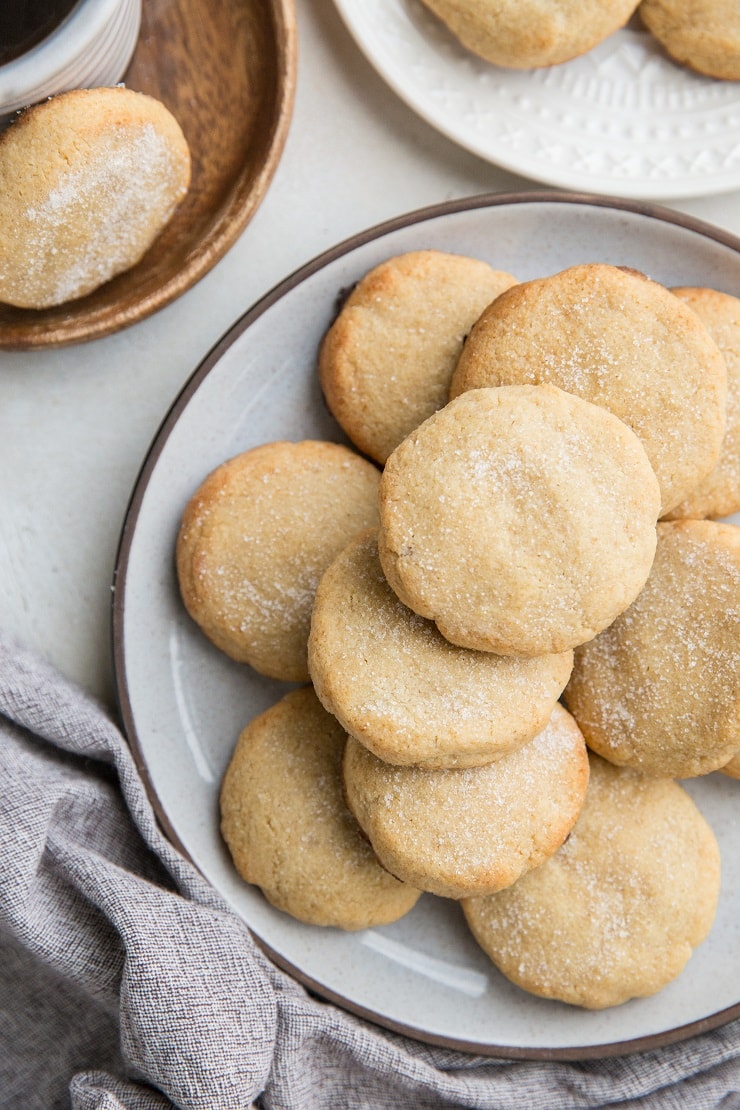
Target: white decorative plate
{"type": "Point", "coordinates": [621, 119]}
{"type": "Point", "coordinates": [183, 703]}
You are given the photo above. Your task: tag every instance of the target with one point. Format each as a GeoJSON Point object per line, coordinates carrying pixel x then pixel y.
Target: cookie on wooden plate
{"type": "Point", "coordinates": [88, 180]}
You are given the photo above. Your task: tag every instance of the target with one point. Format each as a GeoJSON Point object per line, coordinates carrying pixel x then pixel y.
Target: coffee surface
{"type": "Point", "coordinates": [24, 23]}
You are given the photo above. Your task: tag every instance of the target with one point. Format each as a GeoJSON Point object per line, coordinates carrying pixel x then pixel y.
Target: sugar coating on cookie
{"type": "Point", "coordinates": [474, 830]}
{"type": "Point", "coordinates": [621, 341]}
{"type": "Point", "coordinates": [523, 34]}
{"type": "Point", "coordinates": [660, 689]}
{"type": "Point", "coordinates": [719, 493]}
{"type": "Point", "coordinates": [405, 692]}
{"type": "Point", "coordinates": [288, 829]}
{"type": "Point", "coordinates": [88, 179]}
{"type": "Point", "coordinates": [618, 910]}
{"type": "Point", "coordinates": [255, 539]}
{"type": "Point", "coordinates": [702, 34]}
{"type": "Point", "coordinates": [520, 519]}
{"type": "Point", "coordinates": [385, 363]}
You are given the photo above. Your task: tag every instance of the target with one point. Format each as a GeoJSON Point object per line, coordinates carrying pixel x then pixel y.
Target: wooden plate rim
{"type": "Point", "coordinates": [248, 194]}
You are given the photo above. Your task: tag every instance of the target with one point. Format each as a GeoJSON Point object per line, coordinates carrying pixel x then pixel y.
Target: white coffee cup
{"type": "Point", "coordinates": [90, 48]}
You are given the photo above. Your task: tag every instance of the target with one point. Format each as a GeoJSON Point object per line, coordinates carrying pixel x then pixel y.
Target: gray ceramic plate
{"type": "Point", "coordinates": [183, 703]}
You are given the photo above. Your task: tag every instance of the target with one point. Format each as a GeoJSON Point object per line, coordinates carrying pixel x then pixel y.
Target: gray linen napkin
{"type": "Point", "coordinates": [125, 981]}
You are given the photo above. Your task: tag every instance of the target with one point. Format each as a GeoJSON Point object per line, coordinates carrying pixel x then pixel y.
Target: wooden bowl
{"type": "Point", "coordinates": [227, 72]}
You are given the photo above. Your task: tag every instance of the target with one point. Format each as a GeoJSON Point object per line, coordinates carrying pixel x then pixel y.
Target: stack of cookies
{"type": "Point", "coordinates": [519, 627]}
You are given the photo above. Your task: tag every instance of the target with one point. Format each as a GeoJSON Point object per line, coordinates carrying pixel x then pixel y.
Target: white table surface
{"type": "Point", "coordinates": [76, 423]}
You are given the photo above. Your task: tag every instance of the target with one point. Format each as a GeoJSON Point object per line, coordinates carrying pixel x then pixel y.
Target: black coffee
{"type": "Point", "coordinates": [23, 23]}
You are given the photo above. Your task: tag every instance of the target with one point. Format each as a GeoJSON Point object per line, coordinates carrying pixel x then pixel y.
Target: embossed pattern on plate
{"type": "Point", "coordinates": [622, 118]}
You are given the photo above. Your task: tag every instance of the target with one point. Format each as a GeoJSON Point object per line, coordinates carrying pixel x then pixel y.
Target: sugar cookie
{"type": "Point", "coordinates": [471, 830]}
{"type": "Point", "coordinates": [88, 179]}
{"type": "Point", "coordinates": [732, 769]}
{"type": "Point", "coordinates": [521, 519]}
{"type": "Point", "coordinates": [719, 493]}
{"type": "Point", "coordinates": [257, 536]}
{"type": "Point", "coordinates": [702, 34]}
{"type": "Point", "coordinates": [405, 692]}
{"type": "Point", "coordinates": [617, 911]}
{"type": "Point", "coordinates": [287, 827]}
{"type": "Point", "coordinates": [660, 689]}
{"type": "Point", "coordinates": [386, 362]}
{"type": "Point", "coordinates": [617, 339]}
{"type": "Point", "coordinates": [522, 34]}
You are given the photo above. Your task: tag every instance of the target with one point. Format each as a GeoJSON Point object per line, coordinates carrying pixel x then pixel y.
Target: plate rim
{"type": "Point", "coordinates": [245, 199]}
{"type": "Point", "coordinates": [124, 705]}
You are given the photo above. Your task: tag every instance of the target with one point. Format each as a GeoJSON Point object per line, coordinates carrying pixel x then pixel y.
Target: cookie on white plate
{"type": "Point", "coordinates": [474, 830]}
{"type": "Point", "coordinates": [524, 34]}
{"type": "Point", "coordinates": [659, 690]}
{"type": "Point", "coordinates": [255, 538]}
{"type": "Point", "coordinates": [405, 692]}
{"type": "Point", "coordinates": [385, 363]}
{"type": "Point", "coordinates": [618, 910]}
{"type": "Point", "coordinates": [615, 338]}
{"type": "Point", "coordinates": [288, 829]}
{"type": "Point", "coordinates": [520, 519]}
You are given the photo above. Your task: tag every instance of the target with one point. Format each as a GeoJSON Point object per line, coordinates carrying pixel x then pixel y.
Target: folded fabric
{"type": "Point", "coordinates": [126, 981]}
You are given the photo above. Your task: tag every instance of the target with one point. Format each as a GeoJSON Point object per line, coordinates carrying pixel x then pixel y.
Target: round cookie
{"type": "Point", "coordinates": [385, 363]}
{"type": "Point", "coordinates": [719, 493]}
{"type": "Point", "coordinates": [621, 341]}
{"type": "Point", "coordinates": [255, 539]}
{"type": "Point", "coordinates": [523, 34]}
{"type": "Point", "coordinates": [288, 829]}
{"type": "Point", "coordinates": [406, 693]}
{"type": "Point", "coordinates": [702, 34]}
{"type": "Point", "coordinates": [660, 689]}
{"type": "Point", "coordinates": [520, 519]}
{"type": "Point", "coordinates": [732, 769]}
{"type": "Point", "coordinates": [88, 179]}
{"type": "Point", "coordinates": [617, 911]}
{"type": "Point", "coordinates": [471, 831]}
